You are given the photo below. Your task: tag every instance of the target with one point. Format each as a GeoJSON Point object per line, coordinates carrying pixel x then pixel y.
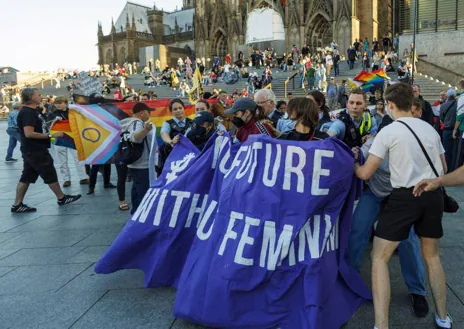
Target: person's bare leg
{"type": "Point", "coordinates": [21, 190]}
{"type": "Point", "coordinates": [55, 187]}
{"type": "Point", "coordinates": [381, 254]}
{"type": "Point", "coordinates": [431, 254]}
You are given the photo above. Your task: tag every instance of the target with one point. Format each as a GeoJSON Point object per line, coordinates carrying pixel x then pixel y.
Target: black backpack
{"type": "Point", "coordinates": [129, 152]}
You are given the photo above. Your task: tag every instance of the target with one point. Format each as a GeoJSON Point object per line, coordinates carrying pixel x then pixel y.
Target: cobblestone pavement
{"type": "Point", "coordinates": [47, 260]}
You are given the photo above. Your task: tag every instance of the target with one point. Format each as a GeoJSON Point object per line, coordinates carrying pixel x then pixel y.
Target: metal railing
{"type": "Point", "coordinates": [287, 81]}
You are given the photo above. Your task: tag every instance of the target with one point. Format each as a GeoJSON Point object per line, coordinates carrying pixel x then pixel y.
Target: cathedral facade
{"type": "Point", "coordinates": [208, 28]}
{"type": "Point", "coordinates": [221, 26]}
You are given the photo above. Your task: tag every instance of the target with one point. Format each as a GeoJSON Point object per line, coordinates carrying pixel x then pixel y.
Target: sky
{"type": "Point", "coordinates": [51, 34]}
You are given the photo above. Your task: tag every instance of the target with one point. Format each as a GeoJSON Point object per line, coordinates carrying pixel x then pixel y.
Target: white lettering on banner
{"type": "Point", "coordinates": [230, 234]}
{"type": "Point", "coordinates": [237, 161]}
{"type": "Point", "coordinates": [256, 146]}
{"type": "Point", "coordinates": [311, 237]}
{"type": "Point", "coordinates": [159, 208]}
{"type": "Point", "coordinates": [180, 196]}
{"type": "Point", "coordinates": [219, 145]}
{"type": "Point", "coordinates": [328, 229]}
{"type": "Point", "coordinates": [318, 171]}
{"type": "Point", "coordinates": [224, 161]}
{"type": "Point", "coordinates": [204, 220]}
{"type": "Point", "coordinates": [246, 164]}
{"type": "Point", "coordinates": [194, 209]}
{"type": "Point", "coordinates": [269, 249]}
{"type": "Point", "coordinates": [142, 211]}
{"type": "Point", "coordinates": [246, 239]}
{"type": "Point", "coordinates": [270, 182]}
{"type": "Point", "coordinates": [298, 169]}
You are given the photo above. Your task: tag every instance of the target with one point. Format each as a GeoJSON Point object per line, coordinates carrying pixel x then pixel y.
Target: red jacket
{"type": "Point", "coordinates": [251, 128]}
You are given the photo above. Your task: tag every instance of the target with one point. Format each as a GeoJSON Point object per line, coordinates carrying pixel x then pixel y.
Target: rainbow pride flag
{"type": "Point", "coordinates": [96, 132]}
{"type": "Point", "coordinates": [68, 139]}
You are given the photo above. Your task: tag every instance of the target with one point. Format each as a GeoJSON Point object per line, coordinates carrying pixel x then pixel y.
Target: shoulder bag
{"type": "Point", "coordinates": [450, 205]}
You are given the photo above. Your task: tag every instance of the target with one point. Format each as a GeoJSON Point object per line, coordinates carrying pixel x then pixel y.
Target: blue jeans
{"type": "Point", "coordinates": [15, 137]}
{"type": "Point", "coordinates": [140, 186]}
{"type": "Point", "coordinates": [448, 145]}
{"type": "Point", "coordinates": [337, 70]}
{"type": "Point", "coordinates": [310, 83]}
{"type": "Point", "coordinates": [364, 217]}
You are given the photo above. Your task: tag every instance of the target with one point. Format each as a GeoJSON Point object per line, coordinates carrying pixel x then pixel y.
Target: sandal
{"type": "Point", "coordinates": [124, 207]}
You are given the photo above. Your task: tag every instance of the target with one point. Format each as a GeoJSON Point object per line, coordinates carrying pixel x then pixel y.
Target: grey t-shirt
{"type": "Point", "coordinates": [379, 183]}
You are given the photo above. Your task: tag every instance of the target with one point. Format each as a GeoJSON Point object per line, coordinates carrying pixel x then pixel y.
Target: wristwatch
{"type": "Point", "coordinates": [50, 136]}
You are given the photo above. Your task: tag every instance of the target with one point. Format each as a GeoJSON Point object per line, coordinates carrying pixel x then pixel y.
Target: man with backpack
{"type": "Point", "coordinates": [134, 150]}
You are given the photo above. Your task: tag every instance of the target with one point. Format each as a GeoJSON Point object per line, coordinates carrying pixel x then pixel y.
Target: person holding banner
{"type": "Point", "coordinates": [305, 113]}
{"type": "Point", "coordinates": [244, 111]}
{"type": "Point", "coordinates": [140, 130]}
{"type": "Point", "coordinates": [202, 129]}
{"type": "Point", "coordinates": [408, 167]}
{"type": "Point", "coordinates": [355, 124]}
{"type": "Point", "coordinates": [171, 129]}
{"type": "Point", "coordinates": [62, 113]}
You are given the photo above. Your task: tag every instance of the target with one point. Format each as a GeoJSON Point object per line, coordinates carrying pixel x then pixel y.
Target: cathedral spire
{"type": "Point", "coordinates": [128, 26]}
{"type": "Point", "coordinates": [133, 22]}
{"type": "Point", "coordinates": [113, 28]}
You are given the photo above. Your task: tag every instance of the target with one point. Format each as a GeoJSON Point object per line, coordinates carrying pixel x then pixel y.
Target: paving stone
{"type": "Point", "coordinates": [9, 221]}
{"type": "Point", "coordinates": [89, 280]}
{"type": "Point", "coordinates": [135, 309]}
{"type": "Point", "coordinates": [44, 239]}
{"type": "Point", "coordinates": [99, 238]}
{"type": "Point", "coordinates": [5, 270]}
{"type": "Point", "coordinates": [5, 237]}
{"type": "Point", "coordinates": [181, 324]}
{"type": "Point", "coordinates": [88, 255]}
{"type": "Point", "coordinates": [37, 279]}
{"type": "Point", "coordinates": [71, 222]}
{"type": "Point", "coordinates": [45, 311]}
{"type": "Point", "coordinates": [7, 252]}
{"type": "Point", "coordinates": [41, 256]}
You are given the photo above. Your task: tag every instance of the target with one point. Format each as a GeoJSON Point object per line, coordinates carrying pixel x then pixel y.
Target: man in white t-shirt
{"type": "Point", "coordinates": [408, 166]}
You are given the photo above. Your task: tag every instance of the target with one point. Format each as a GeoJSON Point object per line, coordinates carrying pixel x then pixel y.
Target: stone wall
{"type": "Point", "coordinates": [444, 49]}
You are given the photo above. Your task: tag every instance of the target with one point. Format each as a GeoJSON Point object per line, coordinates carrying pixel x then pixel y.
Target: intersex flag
{"type": "Point", "coordinates": [252, 235]}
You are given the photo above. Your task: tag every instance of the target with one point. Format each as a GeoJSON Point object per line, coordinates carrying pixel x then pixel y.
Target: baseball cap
{"type": "Point", "coordinates": [451, 93]}
{"type": "Point", "coordinates": [139, 107]}
{"type": "Point", "coordinates": [203, 117]}
{"type": "Point", "coordinates": [242, 104]}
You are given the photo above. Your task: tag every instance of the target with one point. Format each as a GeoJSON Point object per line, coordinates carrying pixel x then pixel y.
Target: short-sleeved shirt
{"type": "Point", "coordinates": [338, 128]}
{"type": "Point", "coordinates": [13, 119]}
{"type": "Point", "coordinates": [31, 117]}
{"type": "Point", "coordinates": [408, 164]}
{"type": "Point", "coordinates": [166, 128]}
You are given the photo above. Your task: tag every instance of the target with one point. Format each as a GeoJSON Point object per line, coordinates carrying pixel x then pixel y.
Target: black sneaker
{"type": "Point", "coordinates": [110, 186]}
{"type": "Point", "coordinates": [20, 208]}
{"type": "Point", "coordinates": [67, 199]}
{"type": "Point", "coordinates": [11, 160]}
{"type": "Point", "coordinates": [420, 307]}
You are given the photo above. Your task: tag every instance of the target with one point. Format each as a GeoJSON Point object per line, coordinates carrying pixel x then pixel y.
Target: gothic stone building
{"type": "Point", "coordinates": [140, 26]}
{"type": "Point", "coordinates": [217, 27]}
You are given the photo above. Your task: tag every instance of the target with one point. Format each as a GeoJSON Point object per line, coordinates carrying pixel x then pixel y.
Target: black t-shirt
{"type": "Point", "coordinates": [29, 117]}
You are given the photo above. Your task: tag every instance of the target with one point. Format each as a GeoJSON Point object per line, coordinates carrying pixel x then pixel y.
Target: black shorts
{"type": "Point", "coordinates": [402, 210]}
{"type": "Point", "coordinates": [38, 164]}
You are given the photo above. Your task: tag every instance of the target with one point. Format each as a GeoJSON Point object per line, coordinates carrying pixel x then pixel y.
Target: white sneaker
{"type": "Point", "coordinates": [444, 324]}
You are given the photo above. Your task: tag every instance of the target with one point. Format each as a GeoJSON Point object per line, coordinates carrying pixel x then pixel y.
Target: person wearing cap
{"type": "Point", "coordinates": [448, 111]}
{"type": "Point", "coordinates": [13, 132]}
{"type": "Point", "coordinates": [202, 129]}
{"type": "Point", "coordinates": [244, 112]}
{"type": "Point", "coordinates": [203, 105]}
{"type": "Point", "coordinates": [141, 130]}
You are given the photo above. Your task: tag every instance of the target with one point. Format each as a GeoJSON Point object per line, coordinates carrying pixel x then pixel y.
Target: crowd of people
{"type": "Point", "coordinates": [401, 193]}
